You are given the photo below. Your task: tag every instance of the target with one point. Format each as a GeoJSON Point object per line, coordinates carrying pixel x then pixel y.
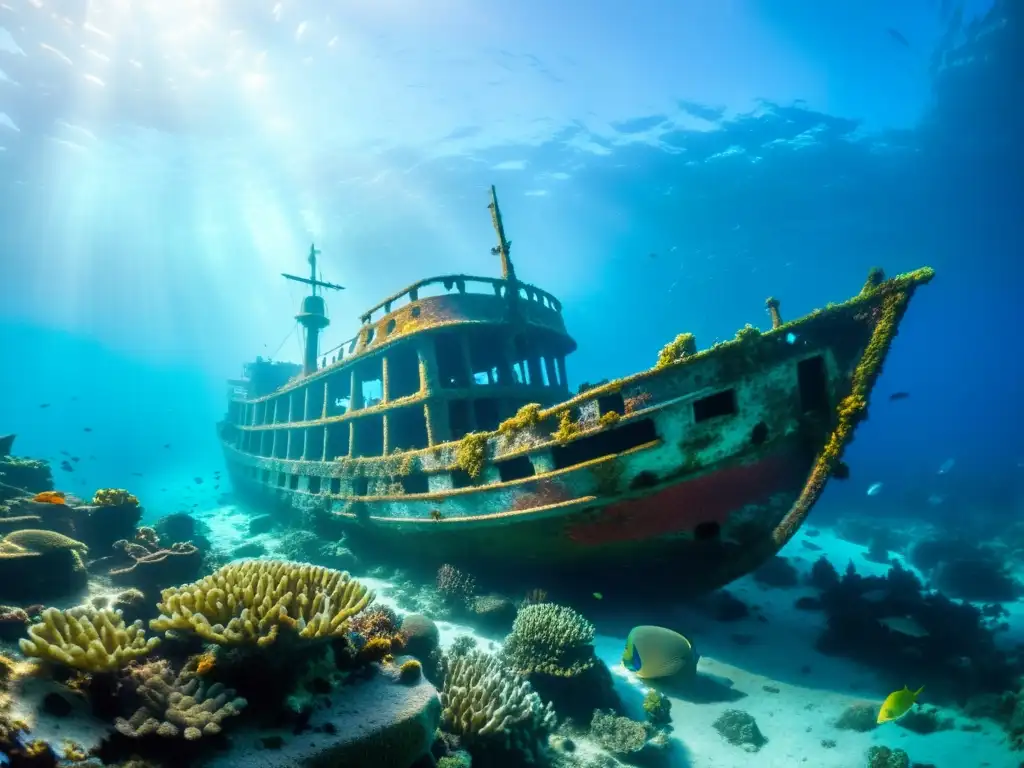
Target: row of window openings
{"type": "Point", "coordinates": [813, 391]}
{"type": "Point", "coordinates": [603, 443]}
{"type": "Point", "coordinates": [403, 381]}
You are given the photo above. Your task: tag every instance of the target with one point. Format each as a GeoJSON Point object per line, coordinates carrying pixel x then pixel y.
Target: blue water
{"type": "Point", "coordinates": [662, 168]}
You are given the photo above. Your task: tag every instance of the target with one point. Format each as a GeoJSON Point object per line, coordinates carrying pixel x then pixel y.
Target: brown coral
{"type": "Point", "coordinates": [178, 704]}
{"type": "Point", "coordinates": [114, 497]}
{"type": "Point", "coordinates": [32, 540]}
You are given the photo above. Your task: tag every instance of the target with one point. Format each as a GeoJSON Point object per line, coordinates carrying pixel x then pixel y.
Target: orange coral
{"type": "Point", "coordinates": [206, 663]}
{"type": "Point", "coordinates": [376, 649]}
{"type": "Point", "coordinates": [50, 497]}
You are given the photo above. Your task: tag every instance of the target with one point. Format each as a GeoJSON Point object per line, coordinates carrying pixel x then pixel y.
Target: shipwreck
{"type": "Point", "coordinates": [445, 431]}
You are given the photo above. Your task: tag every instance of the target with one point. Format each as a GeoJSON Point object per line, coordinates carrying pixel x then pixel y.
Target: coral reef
{"type": "Point", "coordinates": [861, 716]}
{"type": "Point", "coordinates": [949, 647]}
{"type": "Point", "coordinates": [114, 497]}
{"type": "Point", "coordinates": [178, 704]}
{"type": "Point", "coordinates": [657, 707]}
{"type": "Point", "coordinates": [87, 639]}
{"type": "Point", "coordinates": [777, 572]}
{"type": "Point", "coordinates": [967, 569]}
{"type": "Point", "coordinates": [147, 565]}
{"type": "Point", "coordinates": [420, 634]}
{"type": "Point", "coordinates": [550, 639]}
{"type": "Point", "coordinates": [884, 757]}
{"type": "Point", "coordinates": [739, 728]}
{"type": "Point", "coordinates": [252, 601]}
{"type": "Point", "coordinates": [41, 541]}
{"type": "Point", "coordinates": [487, 705]}
{"type": "Point", "coordinates": [552, 646]}
{"type": "Point", "coordinates": [454, 585]}
{"type": "Point", "coordinates": [617, 734]}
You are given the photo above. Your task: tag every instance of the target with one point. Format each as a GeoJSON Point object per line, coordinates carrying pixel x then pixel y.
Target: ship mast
{"type": "Point", "coordinates": [508, 271]}
{"type": "Point", "coordinates": [313, 314]}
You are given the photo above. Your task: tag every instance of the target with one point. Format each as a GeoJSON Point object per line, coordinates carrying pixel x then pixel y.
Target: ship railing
{"type": "Point", "coordinates": [445, 284]}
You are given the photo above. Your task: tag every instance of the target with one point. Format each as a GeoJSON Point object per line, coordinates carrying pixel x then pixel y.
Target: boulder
{"type": "Point", "coordinates": [378, 722]}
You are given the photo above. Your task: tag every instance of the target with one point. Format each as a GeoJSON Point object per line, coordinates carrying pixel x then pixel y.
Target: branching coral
{"type": "Point", "coordinates": [179, 704]}
{"type": "Point", "coordinates": [550, 639]}
{"type": "Point", "coordinates": [113, 497]}
{"type": "Point", "coordinates": [454, 584]}
{"type": "Point", "coordinates": [480, 698]}
{"type": "Point", "coordinates": [250, 602]}
{"type": "Point", "coordinates": [88, 639]}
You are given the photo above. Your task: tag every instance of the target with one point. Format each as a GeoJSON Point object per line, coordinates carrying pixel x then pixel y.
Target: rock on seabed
{"type": "Point", "coordinates": [379, 722]}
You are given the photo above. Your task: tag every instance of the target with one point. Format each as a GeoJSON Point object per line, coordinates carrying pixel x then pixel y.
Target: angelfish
{"type": "Point", "coordinates": [653, 652]}
{"type": "Point", "coordinates": [897, 704]}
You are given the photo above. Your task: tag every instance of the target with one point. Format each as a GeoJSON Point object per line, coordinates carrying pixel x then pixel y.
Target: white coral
{"type": "Point", "coordinates": [481, 697]}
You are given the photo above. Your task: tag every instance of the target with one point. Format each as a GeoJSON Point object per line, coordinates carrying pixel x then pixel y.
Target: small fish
{"type": "Point", "coordinates": [66, 466]}
{"type": "Point", "coordinates": [899, 396]}
{"type": "Point", "coordinates": [75, 459]}
{"type": "Point", "coordinates": [598, 596]}
{"type": "Point", "coordinates": [810, 545]}
{"type": "Point", "coordinates": [874, 489]}
{"type": "Point", "coordinates": [897, 704]}
{"type": "Point", "coordinates": [136, 474]}
{"type": "Point", "coordinates": [904, 625]}
{"type": "Point", "coordinates": [898, 37]}
{"type": "Point", "coordinates": [947, 465]}
{"type": "Point", "coordinates": [44, 405]}
{"type": "Point", "coordinates": [198, 480]}
{"type": "Point", "coordinates": [64, 453]}
{"type": "Point", "coordinates": [87, 429]}
{"type": "Point", "coordinates": [167, 445]}
{"type": "Point", "coordinates": [653, 652]}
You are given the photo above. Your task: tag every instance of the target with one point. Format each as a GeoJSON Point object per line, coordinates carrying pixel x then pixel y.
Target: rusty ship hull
{"type": "Point", "coordinates": [699, 469]}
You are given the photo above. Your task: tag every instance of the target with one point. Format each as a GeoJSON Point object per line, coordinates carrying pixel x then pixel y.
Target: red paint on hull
{"type": "Point", "coordinates": [680, 508]}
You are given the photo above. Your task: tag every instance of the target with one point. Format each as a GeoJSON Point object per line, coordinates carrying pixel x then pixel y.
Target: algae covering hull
{"type": "Point", "coordinates": [694, 472]}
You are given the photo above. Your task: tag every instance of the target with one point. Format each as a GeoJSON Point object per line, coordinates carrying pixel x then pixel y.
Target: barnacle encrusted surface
{"type": "Point", "coordinates": [550, 639]}
{"type": "Point", "coordinates": [481, 697]}
{"type": "Point", "coordinates": [179, 704]}
{"type": "Point", "coordinates": [250, 602]}
{"type": "Point", "coordinates": [88, 639]}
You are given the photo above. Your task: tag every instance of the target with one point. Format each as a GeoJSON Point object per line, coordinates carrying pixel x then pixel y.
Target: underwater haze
{"type": "Point", "coordinates": [661, 170]}
{"type": "Point", "coordinates": [662, 167]}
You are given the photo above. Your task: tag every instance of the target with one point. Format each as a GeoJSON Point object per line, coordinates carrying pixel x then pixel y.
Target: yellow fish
{"type": "Point", "coordinates": [897, 704]}
{"type": "Point", "coordinates": [653, 652]}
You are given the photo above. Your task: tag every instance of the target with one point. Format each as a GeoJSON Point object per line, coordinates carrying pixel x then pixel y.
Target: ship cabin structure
{"type": "Point", "coordinates": [444, 357]}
